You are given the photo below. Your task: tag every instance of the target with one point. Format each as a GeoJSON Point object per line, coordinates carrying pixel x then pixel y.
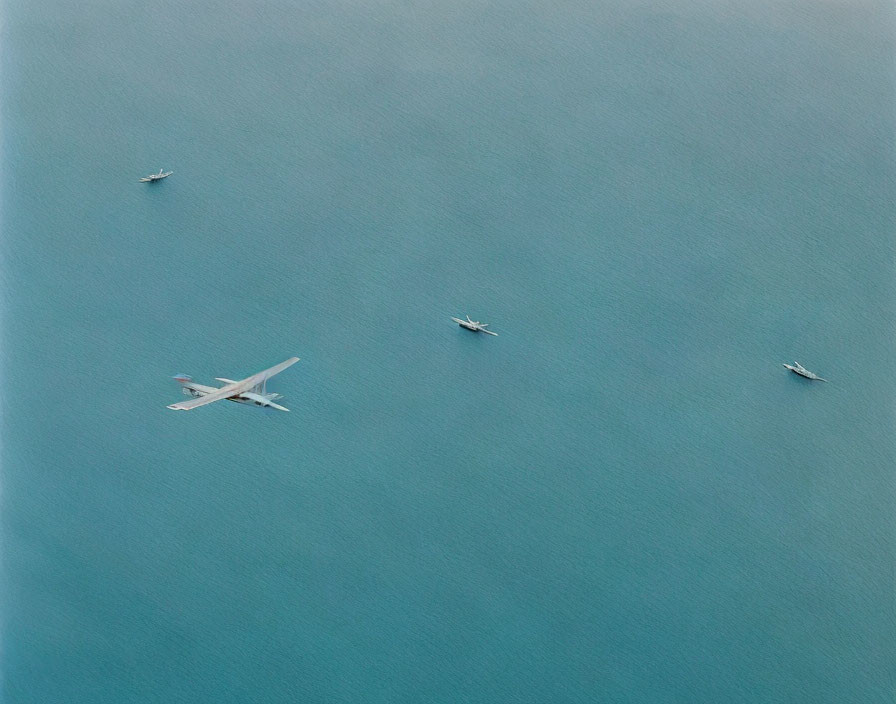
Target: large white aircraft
{"type": "Point", "coordinates": [251, 390]}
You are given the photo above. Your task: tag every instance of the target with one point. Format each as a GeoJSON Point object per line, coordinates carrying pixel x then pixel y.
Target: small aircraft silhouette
{"type": "Point", "coordinates": [474, 325]}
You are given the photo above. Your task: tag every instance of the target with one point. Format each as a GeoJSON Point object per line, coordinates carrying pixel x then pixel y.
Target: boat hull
{"type": "Point", "coordinates": [804, 373]}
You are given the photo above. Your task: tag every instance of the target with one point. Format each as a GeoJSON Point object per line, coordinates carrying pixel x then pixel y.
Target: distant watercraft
{"type": "Point", "coordinates": [474, 325]}
{"type": "Point", "coordinates": [156, 177]}
{"type": "Point", "coordinates": [798, 368]}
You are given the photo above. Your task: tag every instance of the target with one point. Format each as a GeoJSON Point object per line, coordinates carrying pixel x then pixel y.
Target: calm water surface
{"type": "Point", "coordinates": [623, 498]}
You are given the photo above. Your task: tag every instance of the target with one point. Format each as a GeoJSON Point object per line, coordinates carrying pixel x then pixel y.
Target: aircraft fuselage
{"type": "Point", "coordinates": [250, 399]}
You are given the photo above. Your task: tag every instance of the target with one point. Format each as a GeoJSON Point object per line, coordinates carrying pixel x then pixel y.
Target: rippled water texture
{"type": "Point", "coordinates": [622, 498]}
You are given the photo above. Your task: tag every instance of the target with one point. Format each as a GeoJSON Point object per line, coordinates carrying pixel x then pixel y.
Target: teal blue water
{"type": "Point", "coordinates": [622, 498]}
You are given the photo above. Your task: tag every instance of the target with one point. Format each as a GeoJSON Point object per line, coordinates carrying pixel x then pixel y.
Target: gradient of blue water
{"type": "Point", "coordinates": [623, 498]}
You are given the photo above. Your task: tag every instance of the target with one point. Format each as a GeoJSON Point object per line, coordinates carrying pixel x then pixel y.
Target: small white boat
{"type": "Point", "coordinates": [156, 177]}
{"type": "Point", "coordinates": [798, 368]}
{"type": "Point", "coordinates": [474, 325]}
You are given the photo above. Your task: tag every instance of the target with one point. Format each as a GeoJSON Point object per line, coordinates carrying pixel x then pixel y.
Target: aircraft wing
{"type": "Point", "coordinates": [222, 393]}
{"type": "Point", "coordinates": [234, 389]}
{"type": "Point", "coordinates": [268, 373]}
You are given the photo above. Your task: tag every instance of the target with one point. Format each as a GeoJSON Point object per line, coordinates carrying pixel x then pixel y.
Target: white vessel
{"type": "Point", "coordinates": [474, 325]}
{"type": "Point", "coordinates": [798, 368]}
{"type": "Point", "coordinates": [156, 177]}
